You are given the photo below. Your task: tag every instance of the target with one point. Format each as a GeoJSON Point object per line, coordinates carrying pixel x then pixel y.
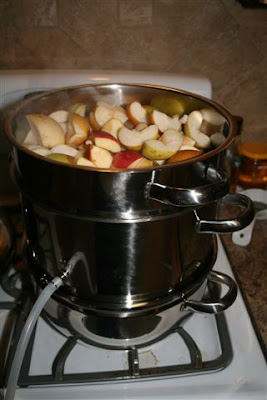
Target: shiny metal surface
{"type": "Point", "coordinates": [213, 306]}
{"type": "Point", "coordinates": [125, 265]}
{"type": "Point", "coordinates": [120, 332]}
{"type": "Point", "coordinates": [138, 254]}
{"type": "Point", "coordinates": [180, 197]}
{"type": "Point", "coordinates": [117, 332]}
{"type": "Point", "coordinates": [243, 219]}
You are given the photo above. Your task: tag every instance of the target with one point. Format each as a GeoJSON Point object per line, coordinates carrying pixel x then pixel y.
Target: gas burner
{"type": "Point", "coordinates": [189, 361]}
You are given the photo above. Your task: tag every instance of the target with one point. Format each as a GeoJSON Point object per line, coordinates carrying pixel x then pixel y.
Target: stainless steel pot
{"type": "Point", "coordinates": [145, 236]}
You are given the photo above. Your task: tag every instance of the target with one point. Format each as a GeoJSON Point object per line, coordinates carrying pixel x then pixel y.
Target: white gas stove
{"type": "Point", "coordinates": [207, 357]}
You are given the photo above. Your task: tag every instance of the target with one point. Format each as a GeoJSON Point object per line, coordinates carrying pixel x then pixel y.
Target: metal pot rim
{"type": "Point", "coordinates": [233, 129]}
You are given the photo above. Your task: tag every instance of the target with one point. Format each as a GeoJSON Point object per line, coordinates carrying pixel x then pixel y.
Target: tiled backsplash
{"type": "Point", "coordinates": [217, 38]}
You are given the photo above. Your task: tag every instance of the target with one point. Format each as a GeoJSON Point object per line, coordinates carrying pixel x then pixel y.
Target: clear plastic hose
{"type": "Point", "coordinates": [26, 334]}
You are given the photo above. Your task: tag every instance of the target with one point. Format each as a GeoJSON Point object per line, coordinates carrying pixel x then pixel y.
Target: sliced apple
{"type": "Point", "coordinates": [133, 139]}
{"type": "Point", "coordinates": [212, 121]}
{"type": "Point", "coordinates": [187, 141]}
{"type": "Point", "coordinates": [212, 116]}
{"type": "Point", "coordinates": [184, 155]}
{"type": "Point", "coordinates": [188, 147]}
{"type": "Point", "coordinates": [78, 128]}
{"type": "Point", "coordinates": [149, 108]}
{"type": "Point", "coordinates": [30, 139]}
{"type": "Point", "coordinates": [141, 126]}
{"type": "Point", "coordinates": [79, 108]}
{"type": "Point", "coordinates": [92, 121]}
{"type": "Point", "coordinates": [42, 151]}
{"type": "Point", "coordinates": [162, 149]}
{"type": "Point", "coordinates": [128, 124]}
{"type": "Point", "coordinates": [63, 158]}
{"type": "Point", "coordinates": [183, 119]}
{"type": "Point", "coordinates": [113, 126]}
{"type": "Point", "coordinates": [142, 162]}
{"type": "Point", "coordinates": [48, 132]}
{"type": "Point", "coordinates": [137, 113]}
{"type": "Point", "coordinates": [169, 105]}
{"type": "Point", "coordinates": [104, 112]}
{"type": "Point", "coordinates": [125, 158]}
{"type": "Point", "coordinates": [60, 116]}
{"type": "Point", "coordinates": [84, 162]}
{"type": "Point", "coordinates": [106, 141]}
{"type": "Point", "coordinates": [120, 113]}
{"type": "Point", "coordinates": [192, 130]}
{"type": "Point", "coordinates": [101, 158]}
{"type": "Point", "coordinates": [164, 122]}
{"type": "Point", "coordinates": [65, 149]}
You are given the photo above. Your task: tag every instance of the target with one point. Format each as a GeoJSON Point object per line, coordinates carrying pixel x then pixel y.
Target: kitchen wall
{"type": "Point", "coordinates": [217, 38]}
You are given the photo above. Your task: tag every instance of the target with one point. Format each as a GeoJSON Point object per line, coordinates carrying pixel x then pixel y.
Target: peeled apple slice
{"type": "Point", "coordinates": [192, 130]}
{"type": "Point", "coordinates": [48, 132]}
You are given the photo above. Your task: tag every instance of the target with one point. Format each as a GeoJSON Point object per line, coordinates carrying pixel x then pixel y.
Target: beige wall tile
{"type": "Point", "coordinates": [217, 38]}
{"type": "Point", "coordinates": [250, 101]}
{"type": "Point", "coordinates": [40, 13]}
{"type": "Point", "coordinates": [11, 13]}
{"type": "Point", "coordinates": [135, 13]}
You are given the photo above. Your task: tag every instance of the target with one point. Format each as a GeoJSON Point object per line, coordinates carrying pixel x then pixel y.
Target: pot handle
{"type": "Point", "coordinates": [214, 306]}
{"type": "Point", "coordinates": [182, 197]}
{"type": "Point", "coordinates": [243, 219]}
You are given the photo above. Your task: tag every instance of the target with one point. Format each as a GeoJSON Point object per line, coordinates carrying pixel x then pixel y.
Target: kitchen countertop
{"type": "Point", "coordinates": [249, 266]}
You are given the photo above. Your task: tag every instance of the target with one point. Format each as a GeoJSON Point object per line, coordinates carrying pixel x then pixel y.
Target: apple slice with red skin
{"type": "Point", "coordinates": [141, 163]}
{"type": "Point", "coordinates": [106, 141]}
{"type": "Point", "coordinates": [101, 158]}
{"type": "Point", "coordinates": [125, 158]}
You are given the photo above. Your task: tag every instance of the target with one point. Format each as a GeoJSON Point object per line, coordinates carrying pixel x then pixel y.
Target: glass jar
{"type": "Point", "coordinates": [252, 169]}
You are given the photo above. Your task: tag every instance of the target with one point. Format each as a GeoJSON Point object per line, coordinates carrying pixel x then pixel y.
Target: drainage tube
{"type": "Point", "coordinates": [30, 323]}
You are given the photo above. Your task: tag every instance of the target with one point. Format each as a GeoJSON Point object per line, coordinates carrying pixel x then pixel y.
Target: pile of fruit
{"type": "Point", "coordinates": [135, 136]}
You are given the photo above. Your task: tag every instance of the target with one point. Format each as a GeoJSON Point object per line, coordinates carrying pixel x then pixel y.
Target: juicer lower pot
{"type": "Point", "coordinates": [122, 331]}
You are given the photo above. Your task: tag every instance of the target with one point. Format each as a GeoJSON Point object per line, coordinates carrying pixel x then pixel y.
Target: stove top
{"type": "Point", "coordinates": [225, 345]}
{"type": "Point", "coordinates": [206, 356]}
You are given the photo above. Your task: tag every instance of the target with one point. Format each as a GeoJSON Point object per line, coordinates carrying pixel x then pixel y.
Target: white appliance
{"type": "Point", "coordinates": [234, 366]}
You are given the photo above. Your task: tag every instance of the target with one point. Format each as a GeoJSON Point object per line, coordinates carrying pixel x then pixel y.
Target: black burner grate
{"type": "Point", "coordinates": [196, 365]}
